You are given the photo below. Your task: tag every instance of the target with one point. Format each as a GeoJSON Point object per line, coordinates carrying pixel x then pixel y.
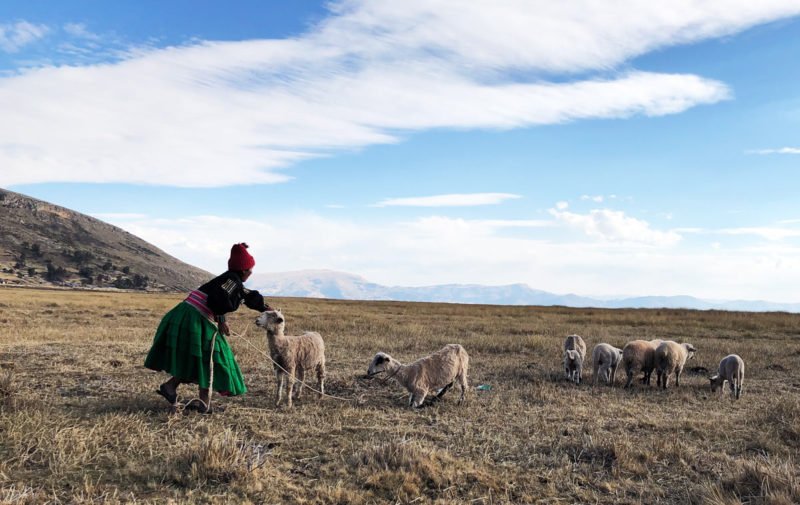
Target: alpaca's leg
{"type": "Point", "coordinates": [418, 397]}
{"type": "Point", "coordinates": [462, 382]}
{"type": "Point", "coordinates": [290, 378]}
{"type": "Point", "coordinates": [280, 378]}
{"type": "Point", "coordinates": [444, 390]}
{"type": "Point", "coordinates": [321, 379]}
{"type": "Point", "coordinates": [629, 373]}
{"type": "Point", "coordinates": [301, 376]}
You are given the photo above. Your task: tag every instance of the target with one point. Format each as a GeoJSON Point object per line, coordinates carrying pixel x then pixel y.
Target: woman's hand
{"type": "Point", "coordinates": [223, 328]}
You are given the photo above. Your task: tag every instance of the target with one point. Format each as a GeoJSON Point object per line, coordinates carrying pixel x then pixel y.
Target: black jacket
{"type": "Point", "coordinates": [226, 292]}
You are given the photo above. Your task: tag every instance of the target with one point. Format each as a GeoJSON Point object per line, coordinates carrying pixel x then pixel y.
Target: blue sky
{"type": "Point", "coordinates": [598, 148]}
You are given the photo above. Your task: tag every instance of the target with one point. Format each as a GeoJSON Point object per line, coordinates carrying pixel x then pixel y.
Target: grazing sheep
{"type": "Point", "coordinates": [639, 355]}
{"type": "Point", "coordinates": [731, 369]}
{"type": "Point", "coordinates": [671, 357]}
{"type": "Point", "coordinates": [573, 361]}
{"type": "Point", "coordinates": [435, 372]}
{"type": "Point", "coordinates": [605, 359]}
{"type": "Point", "coordinates": [294, 355]}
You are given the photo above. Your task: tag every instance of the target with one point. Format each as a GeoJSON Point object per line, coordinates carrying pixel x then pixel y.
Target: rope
{"type": "Point", "coordinates": [206, 406]}
{"type": "Point", "coordinates": [303, 384]}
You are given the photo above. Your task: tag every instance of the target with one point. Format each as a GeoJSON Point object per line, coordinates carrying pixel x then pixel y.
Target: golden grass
{"type": "Point", "coordinates": [80, 422]}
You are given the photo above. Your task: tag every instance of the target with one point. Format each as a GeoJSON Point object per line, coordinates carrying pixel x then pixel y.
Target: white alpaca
{"type": "Point", "coordinates": [435, 372]}
{"type": "Point", "coordinates": [294, 355]}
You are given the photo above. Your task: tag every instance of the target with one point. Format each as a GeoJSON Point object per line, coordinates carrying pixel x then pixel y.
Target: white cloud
{"type": "Point", "coordinates": [766, 232]}
{"type": "Point", "coordinates": [14, 36]}
{"type": "Point", "coordinates": [782, 150]}
{"type": "Point", "coordinates": [595, 198]}
{"type": "Point", "coordinates": [562, 205]}
{"type": "Point", "coordinates": [79, 30]}
{"type": "Point", "coordinates": [615, 226]}
{"type": "Point", "coordinates": [453, 200]}
{"type": "Point", "coordinates": [223, 113]}
{"type": "Point", "coordinates": [440, 250]}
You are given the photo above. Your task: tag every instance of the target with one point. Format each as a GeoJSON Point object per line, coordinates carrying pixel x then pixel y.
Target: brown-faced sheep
{"type": "Point", "coordinates": [574, 356]}
{"type": "Point", "coordinates": [435, 372]}
{"type": "Point", "coordinates": [671, 357]}
{"type": "Point", "coordinates": [605, 359]}
{"type": "Point", "coordinates": [639, 355]}
{"type": "Point", "coordinates": [294, 355]}
{"type": "Point", "coordinates": [731, 369]}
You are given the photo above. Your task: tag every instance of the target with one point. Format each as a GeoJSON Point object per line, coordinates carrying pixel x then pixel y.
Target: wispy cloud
{"type": "Point", "coordinates": [14, 36]}
{"type": "Point", "coordinates": [453, 200]}
{"type": "Point", "coordinates": [766, 232]}
{"type": "Point", "coordinates": [781, 150]}
{"type": "Point", "coordinates": [615, 226]}
{"type": "Point", "coordinates": [594, 198]}
{"type": "Point", "coordinates": [226, 113]}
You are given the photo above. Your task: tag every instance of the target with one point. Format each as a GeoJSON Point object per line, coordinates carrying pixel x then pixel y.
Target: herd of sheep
{"type": "Point", "coordinates": [666, 357]}
{"type": "Point", "coordinates": [294, 355]}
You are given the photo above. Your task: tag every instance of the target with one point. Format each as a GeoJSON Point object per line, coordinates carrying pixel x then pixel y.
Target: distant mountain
{"type": "Point", "coordinates": [344, 286]}
{"type": "Point", "coordinates": [42, 244]}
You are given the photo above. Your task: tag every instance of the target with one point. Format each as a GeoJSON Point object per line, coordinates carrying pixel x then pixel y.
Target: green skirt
{"type": "Point", "coordinates": [181, 348]}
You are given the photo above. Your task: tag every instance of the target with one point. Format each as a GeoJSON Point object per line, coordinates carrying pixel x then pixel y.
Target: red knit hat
{"type": "Point", "coordinates": [240, 259]}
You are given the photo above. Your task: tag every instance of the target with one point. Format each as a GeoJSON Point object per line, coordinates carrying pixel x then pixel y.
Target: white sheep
{"type": "Point", "coordinates": [731, 369]}
{"type": "Point", "coordinates": [671, 357]}
{"type": "Point", "coordinates": [437, 371]}
{"type": "Point", "coordinates": [574, 356]}
{"type": "Point", "coordinates": [639, 355]}
{"type": "Point", "coordinates": [294, 355]}
{"type": "Point", "coordinates": [605, 360]}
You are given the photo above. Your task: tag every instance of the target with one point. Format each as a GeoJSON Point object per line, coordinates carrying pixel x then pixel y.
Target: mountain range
{"type": "Point", "coordinates": [42, 244]}
{"type": "Point", "coordinates": [345, 286]}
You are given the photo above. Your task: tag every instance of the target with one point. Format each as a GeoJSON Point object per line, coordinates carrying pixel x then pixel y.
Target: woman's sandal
{"type": "Point", "coordinates": [198, 406]}
{"type": "Point", "coordinates": [171, 398]}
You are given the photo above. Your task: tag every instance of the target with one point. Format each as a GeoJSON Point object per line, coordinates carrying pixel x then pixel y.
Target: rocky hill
{"type": "Point", "coordinates": [42, 244]}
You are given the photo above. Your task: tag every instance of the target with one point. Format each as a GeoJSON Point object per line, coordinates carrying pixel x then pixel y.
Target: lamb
{"type": "Point", "coordinates": [731, 369]}
{"type": "Point", "coordinates": [671, 357]}
{"type": "Point", "coordinates": [437, 371]}
{"type": "Point", "coordinates": [605, 359]}
{"type": "Point", "coordinates": [639, 355]}
{"type": "Point", "coordinates": [574, 354]}
{"type": "Point", "coordinates": [294, 355]}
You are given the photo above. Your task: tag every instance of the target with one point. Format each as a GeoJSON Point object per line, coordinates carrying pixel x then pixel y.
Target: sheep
{"type": "Point", "coordinates": [605, 359]}
{"type": "Point", "coordinates": [574, 355]}
{"type": "Point", "coordinates": [437, 371]}
{"type": "Point", "coordinates": [293, 355]}
{"type": "Point", "coordinates": [639, 355]}
{"type": "Point", "coordinates": [731, 369]}
{"type": "Point", "coordinates": [671, 357]}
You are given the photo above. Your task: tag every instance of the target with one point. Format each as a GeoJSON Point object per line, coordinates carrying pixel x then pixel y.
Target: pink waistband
{"type": "Point", "coordinates": [197, 299]}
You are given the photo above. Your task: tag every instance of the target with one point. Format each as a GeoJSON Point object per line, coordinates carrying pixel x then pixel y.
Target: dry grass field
{"type": "Point", "coordinates": [80, 422]}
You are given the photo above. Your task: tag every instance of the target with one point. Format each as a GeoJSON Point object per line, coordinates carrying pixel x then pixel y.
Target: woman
{"type": "Point", "coordinates": [183, 340]}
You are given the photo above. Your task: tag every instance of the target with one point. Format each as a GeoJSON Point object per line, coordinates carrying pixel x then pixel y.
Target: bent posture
{"type": "Point", "coordinates": [438, 371]}
{"type": "Point", "coordinates": [605, 359]}
{"type": "Point", "coordinates": [671, 357]}
{"type": "Point", "coordinates": [731, 369]}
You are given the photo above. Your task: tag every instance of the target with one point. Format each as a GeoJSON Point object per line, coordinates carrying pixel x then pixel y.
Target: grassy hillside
{"type": "Point", "coordinates": [42, 244]}
{"type": "Point", "coordinates": [80, 422]}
